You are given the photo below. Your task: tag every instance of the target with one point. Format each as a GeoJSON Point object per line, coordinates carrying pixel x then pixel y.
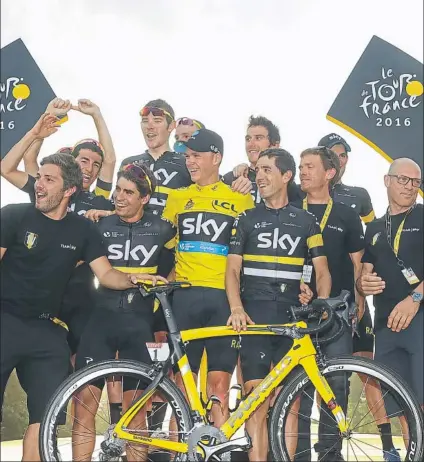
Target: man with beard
{"type": "Point", "coordinates": [40, 246]}
{"type": "Point", "coordinates": [77, 302]}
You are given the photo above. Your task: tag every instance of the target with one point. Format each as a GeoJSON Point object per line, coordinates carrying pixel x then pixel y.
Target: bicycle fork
{"type": "Point", "coordinates": [320, 383]}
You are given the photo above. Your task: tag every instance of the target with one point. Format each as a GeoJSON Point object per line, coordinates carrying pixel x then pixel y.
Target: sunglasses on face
{"type": "Point", "coordinates": [404, 180]}
{"type": "Point", "coordinates": [155, 111]}
{"type": "Point", "coordinates": [188, 121]}
{"type": "Point", "coordinates": [139, 172]}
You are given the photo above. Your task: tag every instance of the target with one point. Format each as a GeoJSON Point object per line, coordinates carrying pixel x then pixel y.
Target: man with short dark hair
{"type": "Point", "coordinates": [40, 246]}
{"type": "Point", "coordinates": [263, 280]}
{"type": "Point", "coordinates": [121, 320]}
{"type": "Point", "coordinates": [204, 214]}
{"type": "Point", "coordinates": [343, 245]}
{"type": "Point", "coordinates": [77, 300]}
{"type": "Point", "coordinates": [261, 134]}
{"type": "Point", "coordinates": [393, 273]}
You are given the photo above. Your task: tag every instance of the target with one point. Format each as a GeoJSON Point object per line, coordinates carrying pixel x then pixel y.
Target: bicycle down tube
{"type": "Point", "coordinates": [302, 353]}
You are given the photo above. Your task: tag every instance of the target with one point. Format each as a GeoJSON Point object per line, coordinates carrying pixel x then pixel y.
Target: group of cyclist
{"type": "Point", "coordinates": [252, 243]}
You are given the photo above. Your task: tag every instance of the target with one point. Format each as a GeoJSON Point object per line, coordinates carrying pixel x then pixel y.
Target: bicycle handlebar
{"type": "Point", "coordinates": [318, 307]}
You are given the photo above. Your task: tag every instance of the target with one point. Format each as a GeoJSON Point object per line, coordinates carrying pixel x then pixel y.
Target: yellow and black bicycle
{"type": "Point", "coordinates": [185, 431]}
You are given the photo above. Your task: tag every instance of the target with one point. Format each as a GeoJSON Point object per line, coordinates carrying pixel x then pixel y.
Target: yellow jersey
{"type": "Point", "coordinates": [204, 216]}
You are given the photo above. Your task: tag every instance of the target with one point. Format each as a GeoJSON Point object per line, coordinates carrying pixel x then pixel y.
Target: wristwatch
{"type": "Point", "coordinates": [416, 296]}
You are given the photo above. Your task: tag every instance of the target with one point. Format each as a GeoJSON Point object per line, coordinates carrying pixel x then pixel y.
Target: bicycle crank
{"type": "Point", "coordinates": [207, 443]}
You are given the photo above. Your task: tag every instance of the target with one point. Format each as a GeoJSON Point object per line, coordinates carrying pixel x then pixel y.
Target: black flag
{"type": "Point", "coordinates": [24, 94]}
{"type": "Point", "coordinates": [382, 102]}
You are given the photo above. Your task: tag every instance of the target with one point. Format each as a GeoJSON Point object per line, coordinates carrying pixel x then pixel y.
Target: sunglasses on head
{"type": "Point", "coordinates": [139, 172]}
{"type": "Point", "coordinates": [156, 111]}
{"type": "Point", "coordinates": [188, 121]}
{"type": "Point", "coordinates": [65, 150]}
{"type": "Point", "coordinates": [89, 141]}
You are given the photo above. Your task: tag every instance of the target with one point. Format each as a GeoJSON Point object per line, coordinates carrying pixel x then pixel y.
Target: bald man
{"type": "Point", "coordinates": [393, 273]}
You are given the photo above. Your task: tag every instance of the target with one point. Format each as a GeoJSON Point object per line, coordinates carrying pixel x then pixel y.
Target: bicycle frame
{"type": "Point", "coordinates": [302, 353]}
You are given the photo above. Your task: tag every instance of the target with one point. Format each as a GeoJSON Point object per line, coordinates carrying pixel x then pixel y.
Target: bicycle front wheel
{"type": "Point", "coordinates": [78, 423]}
{"type": "Point", "coordinates": [300, 429]}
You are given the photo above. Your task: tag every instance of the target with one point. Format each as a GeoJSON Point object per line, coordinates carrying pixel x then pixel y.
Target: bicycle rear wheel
{"type": "Point", "coordinates": [65, 435]}
{"type": "Point", "coordinates": [304, 435]}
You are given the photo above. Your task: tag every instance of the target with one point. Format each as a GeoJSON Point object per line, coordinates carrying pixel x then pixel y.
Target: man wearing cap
{"type": "Point", "coordinates": [204, 214]}
{"type": "Point", "coordinates": [353, 196]}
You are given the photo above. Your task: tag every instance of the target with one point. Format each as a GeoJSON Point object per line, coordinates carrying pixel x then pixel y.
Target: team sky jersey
{"type": "Point", "coordinates": [356, 198]}
{"type": "Point", "coordinates": [133, 247]}
{"type": "Point", "coordinates": [343, 234]}
{"type": "Point", "coordinates": [379, 253]}
{"type": "Point", "coordinates": [294, 192]}
{"type": "Point", "coordinates": [41, 256]}
{"type": "Point", "coordinates": [204, 217]}
{"type": "Point", "coordinates": [274, 244]}
{"type": "Point", "coordinates": [170, 172]}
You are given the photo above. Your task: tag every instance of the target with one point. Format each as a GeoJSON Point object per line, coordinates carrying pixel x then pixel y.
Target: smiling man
{"type": "Point", "coordinates": [393, 273]}
{"type": "Point", "coordinates": [204, 214]}
{"type": "Point", "coordinates": [40, 247]}
{"type": "Point", "coordinates": [122, 320]}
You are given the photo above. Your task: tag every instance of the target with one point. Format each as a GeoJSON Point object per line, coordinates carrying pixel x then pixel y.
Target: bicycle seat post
{"type": "Point", "coordinates": [163, 297]}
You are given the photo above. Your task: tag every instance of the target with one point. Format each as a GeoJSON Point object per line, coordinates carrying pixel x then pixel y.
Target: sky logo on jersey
{"type": "Point", "coordinates": [274, 240]}
{"type": "Point", "coordinates": [197, 226]}
{"type": "Point", "coordinates": [30, 240]}
{"type": "Point", "coordinates": [163, 177]}
{"type": "Point", "coordinates": [124, 252]}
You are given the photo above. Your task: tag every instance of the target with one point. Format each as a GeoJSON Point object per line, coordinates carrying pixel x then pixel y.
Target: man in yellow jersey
{"type": "Point", "coordinates": [204, 214]}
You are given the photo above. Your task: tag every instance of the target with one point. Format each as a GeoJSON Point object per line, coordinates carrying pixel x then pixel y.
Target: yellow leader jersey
{"type": "Point", "coordinates": [204, 216]}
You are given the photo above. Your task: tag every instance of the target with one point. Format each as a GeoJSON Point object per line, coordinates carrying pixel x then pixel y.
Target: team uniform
{"type": "Point", "coordinates": [123, 320]}
{"type": "Point", "coordinates": [401, 351]}
{"type": "Point", "coordinates": [359, 200]}
{"type": "Point", "coordinates": [40, 258]}
{"type": "Point", "coordinates": [274, 244]}
{"type": "Point", "coordinates": [204, 216]}
{"type": "Point", "coordinates": [342, 234]}
{"type": "Point", "coordinates": [171, 173]}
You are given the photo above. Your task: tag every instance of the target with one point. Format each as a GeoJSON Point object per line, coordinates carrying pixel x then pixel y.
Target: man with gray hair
{"type": "Point", "coordinates": [393, 273]}
{"type": "Point", "coordinates": [39, 248]}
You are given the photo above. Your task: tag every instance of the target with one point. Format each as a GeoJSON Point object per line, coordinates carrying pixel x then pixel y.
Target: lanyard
{"type": "Point", "coordinates": [326, 213]}
{"type": "Point", "coordinates": [396, 242]}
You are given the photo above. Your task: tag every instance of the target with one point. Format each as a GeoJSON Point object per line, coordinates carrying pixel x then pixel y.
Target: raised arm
{"type": "Point", "coordinates": [59, 108]}
{"type": "Point", "coordinates": [86, 106]}
{"type": "Point", "coordinates": [45, 126]}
